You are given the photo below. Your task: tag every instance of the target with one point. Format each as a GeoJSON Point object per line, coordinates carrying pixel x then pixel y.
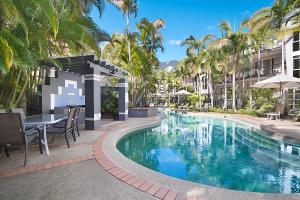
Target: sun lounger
{"type": "Point", "coordinates": [185, 108]}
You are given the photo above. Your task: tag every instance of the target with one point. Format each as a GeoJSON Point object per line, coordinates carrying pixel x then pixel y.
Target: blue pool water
{"type": "Point", "coordinates": [216, 152]}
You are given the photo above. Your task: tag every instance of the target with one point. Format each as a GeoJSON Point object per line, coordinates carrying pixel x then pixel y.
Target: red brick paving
{"type": "Point", "coordinates": [146, 186]}
{"type": "Point", "coordinates": [139, 183]}
{"type": "Point", "coordinates": [171, 195]}
{"type": "Point", "coordinates": [153, 189]}
{"type": "Point", "coordinates": [161, 193]}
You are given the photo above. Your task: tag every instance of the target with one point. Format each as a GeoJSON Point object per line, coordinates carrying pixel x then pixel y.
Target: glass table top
{"type": "Point", "coordinates": [44, 119]}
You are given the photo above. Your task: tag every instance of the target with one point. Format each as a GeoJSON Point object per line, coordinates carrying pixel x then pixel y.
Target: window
{"type": "Point", "coordinates": [256, 65]}
{"type": "Point", "coordinates": [296, 43]}
{"type": "Point", "coordinates": [204, 83]}
{"type": "Point", "coordinates": [266, 67]}
{"type": "Point", "coordinates": [296, 72]}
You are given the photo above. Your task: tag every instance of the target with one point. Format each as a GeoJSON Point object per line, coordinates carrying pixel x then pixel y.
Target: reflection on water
{"type": "Point", "coordinates": [216, 152]}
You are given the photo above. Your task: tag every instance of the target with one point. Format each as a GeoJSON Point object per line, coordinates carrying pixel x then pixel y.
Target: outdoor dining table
{"type": "Point", "coordinates": [43, 120]}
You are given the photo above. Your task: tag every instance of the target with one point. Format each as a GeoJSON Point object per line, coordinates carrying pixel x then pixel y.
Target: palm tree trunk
{"type": "Point", "coordinates": [129, 53]}
{"type": "Point", "coordinates": [225, 91]}
{"type": "Point", "coordinates": [282, 56]}
{"type": "Point", "coordinates": [259, 65]}
{"type": "Point", "coordinates": [211, 89]}
{"type": "Point", "coordinates": [243, 84]}
{"type": "Point", "coordinates": [250, 98]}
{"type": "Point", "coordinates": [22, 91]}
{"type": "Point", "coordinates": [16, 88]}
{"type": "Point", "coordinates": [233, 88]}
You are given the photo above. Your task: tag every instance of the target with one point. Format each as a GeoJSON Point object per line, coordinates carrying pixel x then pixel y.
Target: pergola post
{"type": "Point", "coordinates": [92, 100]}
{"type": "Point", "coordinates": [123, 99]}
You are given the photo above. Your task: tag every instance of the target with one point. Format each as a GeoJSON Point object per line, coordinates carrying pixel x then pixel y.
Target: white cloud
{"type": "Point", "coordinates": [210, 27]}
{"type": "Point", "coordinates": [174, 42]}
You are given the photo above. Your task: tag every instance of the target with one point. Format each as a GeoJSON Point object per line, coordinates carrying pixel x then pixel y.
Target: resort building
{"type": "Point", "coordinates": [266, 64]}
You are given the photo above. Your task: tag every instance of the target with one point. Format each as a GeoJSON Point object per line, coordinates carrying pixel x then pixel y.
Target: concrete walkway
{"type": "Point", "coordinates": [75, 173]}
{"type": "Point", "coordinates": [82, 180]}
{"type": "Point", "coordinates": [64, 174]}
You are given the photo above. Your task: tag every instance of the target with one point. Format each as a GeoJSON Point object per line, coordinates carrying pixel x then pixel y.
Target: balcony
{"type": "Point", "coordinates": [266, 71]}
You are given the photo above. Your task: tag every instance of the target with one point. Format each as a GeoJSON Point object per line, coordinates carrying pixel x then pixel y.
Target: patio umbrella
{"type": "Point", "coordinates": [182, 93]}
{"type": "Point", "coordinates": [280, 81]}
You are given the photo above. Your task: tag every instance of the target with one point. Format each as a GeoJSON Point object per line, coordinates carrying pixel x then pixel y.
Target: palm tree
{"type": "Point", "coordinates": [222, 63]}
{"type": "Point", "coordinates": [150, 37]}
{"type": "Point", "coordinates": [234, 43]}
{"type": "Point", "coordinates": [62, 29]}
{"type": "Point", "coordinates": [275, 18]}
{"type": "Point", "coordinates": [194, 47]}
{"type": "Point", "coordinates": [127, 7]}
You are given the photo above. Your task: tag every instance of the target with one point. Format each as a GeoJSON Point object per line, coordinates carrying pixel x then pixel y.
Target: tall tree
{"type": "Point", "coordinates": [63, 28]}
{"type": "Point", "coordinates": [127, 7]}
{"type": "Point", "coordinates": [194, 48]}
{"type": "Point", "coordinates": [234, 43]}
{"type": "Point", "coordinates": [150, 37]}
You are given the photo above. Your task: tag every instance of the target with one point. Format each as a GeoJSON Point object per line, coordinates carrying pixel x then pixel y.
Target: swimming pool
{"type": "Point", "coordinates": [217, 152]}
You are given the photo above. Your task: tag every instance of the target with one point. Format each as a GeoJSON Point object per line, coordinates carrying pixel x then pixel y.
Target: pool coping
{"type": "Point", "coordinates": [159, 185]}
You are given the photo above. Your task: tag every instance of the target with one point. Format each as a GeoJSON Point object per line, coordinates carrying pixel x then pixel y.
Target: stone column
{"type": "Point", "coordinates": [92, 100]}
{"type": "Point", "coordinates": [123, 99]}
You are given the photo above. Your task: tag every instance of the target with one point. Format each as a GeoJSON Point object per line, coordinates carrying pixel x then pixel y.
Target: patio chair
{"type": "Point", "coordinates": [151, 105]}
{"type": "Point", "coordinates": [12, 132]}
{"type": "Point", "coordinates": [64, 128]}
{"type": "Point", "coordinates": [197, 107]}
{"type": "Point", "coordinates": [292, 113]}
{"type": "Point", "coordinates": [185, 108]}
{"type": "Point", "coordinates": [23, 116]}
{"type": "Point", "coordinates": [76, 120]}
{"type": "Point", "coordinates": [206, 107]}
{"type": "Point", "coordinates": [3, 147]}
{"type": "Point", "coordinates": [277, 114]}
{"type": "Point", "coordinates": [28, 128]}
{"type": "Point", "coordinates": [75, 124]}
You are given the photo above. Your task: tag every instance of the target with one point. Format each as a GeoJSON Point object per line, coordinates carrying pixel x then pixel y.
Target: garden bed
{"type": "Point", "coordinates": [142, 112]}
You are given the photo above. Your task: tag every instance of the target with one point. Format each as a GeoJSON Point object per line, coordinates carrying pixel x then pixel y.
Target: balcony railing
{"type": "Point", "coordinates": [266, 71]}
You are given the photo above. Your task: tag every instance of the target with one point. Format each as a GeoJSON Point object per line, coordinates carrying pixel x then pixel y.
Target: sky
{"type": "Point", "coordinates": [183, 18]}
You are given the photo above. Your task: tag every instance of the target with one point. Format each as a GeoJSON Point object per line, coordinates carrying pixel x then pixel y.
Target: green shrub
{"type": "Point", "coordinates": [172, 105]}
{"type": "Point", "coordinates": [193, 99]}
{"type": "Point", "coordinates": [250, 112]}
{"type": "Point", "coordinates": [265, 108]}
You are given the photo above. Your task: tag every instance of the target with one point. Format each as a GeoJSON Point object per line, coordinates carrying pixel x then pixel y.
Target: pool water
{"type": "Point", "coordinates": [217, 152]}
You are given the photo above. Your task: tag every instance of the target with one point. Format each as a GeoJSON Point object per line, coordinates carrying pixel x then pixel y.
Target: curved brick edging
{"type": "Point", "coordinates": [151, 188]}
{"type": "Point", "coordinates": [155, 183]}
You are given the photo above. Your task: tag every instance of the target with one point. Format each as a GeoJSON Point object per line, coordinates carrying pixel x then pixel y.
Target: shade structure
{"type": "Point", "coordinates": [182, 93]}
{"type": "Point", "coordinates": [280, 81]}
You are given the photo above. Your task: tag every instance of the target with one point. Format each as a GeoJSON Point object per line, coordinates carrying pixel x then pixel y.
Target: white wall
{"type": "Point", "coordinates": [289, 54]}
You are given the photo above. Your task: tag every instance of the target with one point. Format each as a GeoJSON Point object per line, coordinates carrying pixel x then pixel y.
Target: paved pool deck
{"type": "Point", "coordinates": [287, 130]}
{"type": "Point", "coordinates": [94, 169]}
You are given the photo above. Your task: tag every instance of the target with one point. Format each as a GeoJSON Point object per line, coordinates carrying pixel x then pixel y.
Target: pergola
{"type": "Point", "coordinates": [93, 70]}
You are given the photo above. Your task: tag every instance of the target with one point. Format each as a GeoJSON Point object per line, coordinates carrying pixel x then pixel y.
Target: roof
{"type": "Point", "coordinates": [86, 64]}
